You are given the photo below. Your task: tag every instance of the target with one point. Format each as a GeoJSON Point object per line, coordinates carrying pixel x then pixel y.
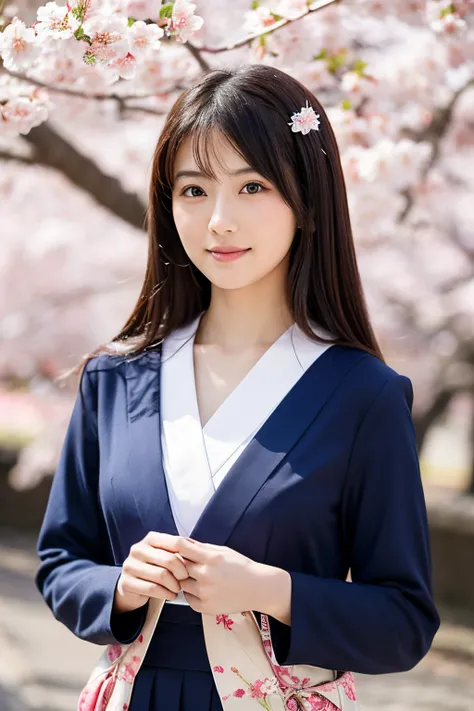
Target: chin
{"type": "Point", "coordinates": [228, 283]}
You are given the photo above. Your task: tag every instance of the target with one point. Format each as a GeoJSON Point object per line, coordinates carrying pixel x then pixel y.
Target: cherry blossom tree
{"type": "Point", "coordinates": [84, 88]}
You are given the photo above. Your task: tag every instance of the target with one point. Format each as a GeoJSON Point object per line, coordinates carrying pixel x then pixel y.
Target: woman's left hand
{"type": "Point", "coordinates": [221, 579]}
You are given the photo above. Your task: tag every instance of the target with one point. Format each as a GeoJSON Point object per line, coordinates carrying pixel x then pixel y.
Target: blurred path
{"type": "Point", "coordinates": [43, 666]}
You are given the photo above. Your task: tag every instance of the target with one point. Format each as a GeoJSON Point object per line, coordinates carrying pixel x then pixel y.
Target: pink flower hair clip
{"type": "Point", "coordinates": [305, 120]}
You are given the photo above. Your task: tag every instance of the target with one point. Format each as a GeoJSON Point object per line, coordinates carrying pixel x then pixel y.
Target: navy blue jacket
{"type": "Point", "coordinates": [331, 482]}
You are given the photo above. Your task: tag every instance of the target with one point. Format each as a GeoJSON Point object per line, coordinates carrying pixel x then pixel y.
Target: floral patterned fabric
{"type": "Point", "coordinates": [244, 667]}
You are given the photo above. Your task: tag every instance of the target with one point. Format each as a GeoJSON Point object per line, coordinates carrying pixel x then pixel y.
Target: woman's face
{"type": "Point", "coordinates": [240, 211]}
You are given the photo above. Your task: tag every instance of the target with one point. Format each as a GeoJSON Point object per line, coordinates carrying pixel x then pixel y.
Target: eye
{"type": "Point", "coordinates": [191, 187]}
{"type": "Point", "coordinates": [255, 189]}
{"type": "Point", "coordinates": [254, 184]}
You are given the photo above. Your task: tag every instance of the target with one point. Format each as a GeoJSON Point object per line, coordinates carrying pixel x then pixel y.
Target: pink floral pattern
{"type": "Point", "coordinates": [113, 652]}
{"type": "Point", "coordinates": [244, 665]}
{"type": "Point", "coordinates": [259, 690]}
{"type": "Point", "coordinates": [130, 670]}
{"type": "Point", "coordinates": [226, 620]}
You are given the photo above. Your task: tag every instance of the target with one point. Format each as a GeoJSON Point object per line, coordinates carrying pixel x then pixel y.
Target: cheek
{"type": "Point", "coordinates": [276, 229]}
{"type": "Point", "coordinates": [189, 228]}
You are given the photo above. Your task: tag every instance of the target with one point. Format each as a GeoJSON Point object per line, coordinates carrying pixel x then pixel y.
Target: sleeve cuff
{"type": "Point", "coordinates": [126, 626]}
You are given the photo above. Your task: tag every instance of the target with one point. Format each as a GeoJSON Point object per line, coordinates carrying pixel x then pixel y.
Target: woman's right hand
{"type": "Point", "coordinates": [153, 568]}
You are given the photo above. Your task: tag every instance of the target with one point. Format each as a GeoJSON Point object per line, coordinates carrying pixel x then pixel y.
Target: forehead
{"type": "Point", "coordinates": [211, 153]}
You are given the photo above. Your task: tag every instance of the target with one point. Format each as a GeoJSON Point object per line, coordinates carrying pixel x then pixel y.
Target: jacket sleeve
{"type": "Point", "coordinates": [76, 576]}
{"type": "Point", "coordinates": [385, 619]}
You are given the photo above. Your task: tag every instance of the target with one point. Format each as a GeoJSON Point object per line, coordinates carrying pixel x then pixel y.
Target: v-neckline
{"type": "Point", "coordinates": [226, 404]}
{"type": "Point", "coordinates": [197, 460]}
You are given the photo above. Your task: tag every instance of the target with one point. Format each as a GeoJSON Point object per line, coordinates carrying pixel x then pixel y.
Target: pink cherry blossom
{"type": "Point", "coordinates": [19, 46]}
{"type": "Point", "coordinates": [305, 120]}
{"type": "Point", "coordinates": [291, 9]}
{"type": "Point", "coordinates": [109, 35]}
{"type": "Point", "coordinates": [144, 38]}
{"type": "Point", "coordinates": [55, 21]}
{"type": "Point", "coordinates": [113, 652]}
{"type": "Point", "coordinates": [258, 19]}
{"type": "Point", "coordinates": [226, 620]}
{"type": "Point", "coordinates": [184, 23]}
{"type": "Point", "coordinates": [143, 9]}
{"type": "Point", "coordinates": [20, 115]}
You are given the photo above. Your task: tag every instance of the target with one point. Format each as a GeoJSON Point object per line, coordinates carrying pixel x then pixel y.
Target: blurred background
{"type": "Point", "coordinates": [76, 141]}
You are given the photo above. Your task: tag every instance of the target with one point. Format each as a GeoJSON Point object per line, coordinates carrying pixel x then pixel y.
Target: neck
{"type": "Point", "coordinates": [238, 319]}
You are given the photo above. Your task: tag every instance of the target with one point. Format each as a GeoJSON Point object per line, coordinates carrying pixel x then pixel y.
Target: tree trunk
{"type": "Point", "coordinates": [470, 488]}
{"type": "Point", "coordinates": [54, 151]}
{"type": "Point", "coordinates": [425, 421]}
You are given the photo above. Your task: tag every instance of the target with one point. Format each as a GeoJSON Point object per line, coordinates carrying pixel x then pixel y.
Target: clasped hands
{"type": "Point", "coordinates": [215, 579]}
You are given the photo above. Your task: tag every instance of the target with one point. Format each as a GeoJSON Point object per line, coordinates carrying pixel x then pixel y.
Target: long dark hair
{"type": "Point", "coordinates": [252, 106]}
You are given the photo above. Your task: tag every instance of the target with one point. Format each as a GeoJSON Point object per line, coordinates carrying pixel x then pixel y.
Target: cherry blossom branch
{"type": "Point", "coordinates": [120, 99]}
{"type": "Point", "coordinates": [314, 7]}
{"type": "Point", "coordinates": [433, 134]}
{"type": "Point", "coordinates": [54, 151]}
{"type": "Point", "coordinates": [195, 51]}
{"type": "Point", "coordinates": [27, 160]}
{"type": "Point", "coordinates": [3, 4]}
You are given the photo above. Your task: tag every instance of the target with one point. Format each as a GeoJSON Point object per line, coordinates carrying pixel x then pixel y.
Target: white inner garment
{"type": "Point", "coordinates": [196, 459]}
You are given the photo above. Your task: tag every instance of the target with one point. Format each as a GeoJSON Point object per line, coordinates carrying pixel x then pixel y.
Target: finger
{"type": "Point", "coordinates": [193, 550]}
{"type": "Point", "coordinates": [161, 558]}
{"type": "Point", "coordinates": [193, 601]}
{"type": "Point", "coordinates": [194, 569]}
{"type": "Point", "coordinates": [146, 588]}
{"type": "Point", "coordinates": [172, 561]}
{"type": "Point", "coordinates": [162, 540]}
{"type": "Point", "coordinates": [151, 573]}
{"type": "Point", "coordinates": [190, 586]}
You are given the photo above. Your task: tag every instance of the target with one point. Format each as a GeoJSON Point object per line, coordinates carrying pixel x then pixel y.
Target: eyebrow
{"type": "Point", "coordinates": [198, 174]}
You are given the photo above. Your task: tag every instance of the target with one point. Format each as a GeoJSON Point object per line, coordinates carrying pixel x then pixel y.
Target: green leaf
{"type": "Point", "coordinates": [131, 21]}
{"type": "Point", "coordinates": [336, 61]}
{"type": "Point", "coordinates": [89, 58]}
{"type": "Point", "coordinates": [77, 13]}
{"type": "Point", "coordinates": [79, 34]}
{"type": "Point", "coordinates": [262, 40]}
{"type": "Point", "coordinates": [255, 5]}
{"type": "Point", "coordinates": [322, 55]}
{"type": "Point", "coordinates": [359, 66]}
{"type": "Point", "coordinates": [166, 10]}
{"type": "Point", "coordinates": [448, 11]}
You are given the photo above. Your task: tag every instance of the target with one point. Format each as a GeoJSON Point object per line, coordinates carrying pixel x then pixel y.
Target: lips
{"type": "Point", "coordinates": [227, 254]}
{"type": "Point", "coordinates": [227, 250]}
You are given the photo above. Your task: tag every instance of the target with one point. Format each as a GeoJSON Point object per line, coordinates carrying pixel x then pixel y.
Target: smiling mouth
{"type": "Point", "coordinates": [227, 254]}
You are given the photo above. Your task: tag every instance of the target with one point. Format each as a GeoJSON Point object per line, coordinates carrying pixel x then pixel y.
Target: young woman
{"type": "Point", "coordinates": [245, 405]}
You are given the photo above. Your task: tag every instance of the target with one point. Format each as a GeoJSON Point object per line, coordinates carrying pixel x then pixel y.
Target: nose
{"type": "Point", "coordinates": [222, 219]}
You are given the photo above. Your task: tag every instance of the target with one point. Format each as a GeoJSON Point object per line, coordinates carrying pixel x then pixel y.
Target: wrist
{"type": "Point", "coordinates": [271, 592]}
{"type": "Point", "coordinates": [127, 602]}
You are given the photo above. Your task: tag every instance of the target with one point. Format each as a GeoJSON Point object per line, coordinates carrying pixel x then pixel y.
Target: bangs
{"type": "Point", "coordinates": [244, 123]}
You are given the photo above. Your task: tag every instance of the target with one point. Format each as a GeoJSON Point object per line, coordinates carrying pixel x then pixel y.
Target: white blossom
{"type": "Point", "coordinates": [18, 46]}
{"type": "Point", "coordinates": [184, 23]}
{"type": "Point", "coordinates": [109, 35]}
{"type": "Point", "coordinates": [305, 120]}
{"type": "Point", "coordinates": [143, 9]}
{"type": "Point", "coordinates": [20, 115]}
{"type": "Point", "coordinates": [291, 9]}
{"type": "Point", "coordinates": [449, 24]}
{"type": "Point", "coordinates": [144, 38]}
{"type": "Point", "coordinates": [54, 21]}
{"type": "Point", "coordinates": [258, 20]}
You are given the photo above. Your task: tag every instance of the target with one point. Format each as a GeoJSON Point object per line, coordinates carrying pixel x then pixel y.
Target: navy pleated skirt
{"type": "Point", "coordinates": [175, 674]}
